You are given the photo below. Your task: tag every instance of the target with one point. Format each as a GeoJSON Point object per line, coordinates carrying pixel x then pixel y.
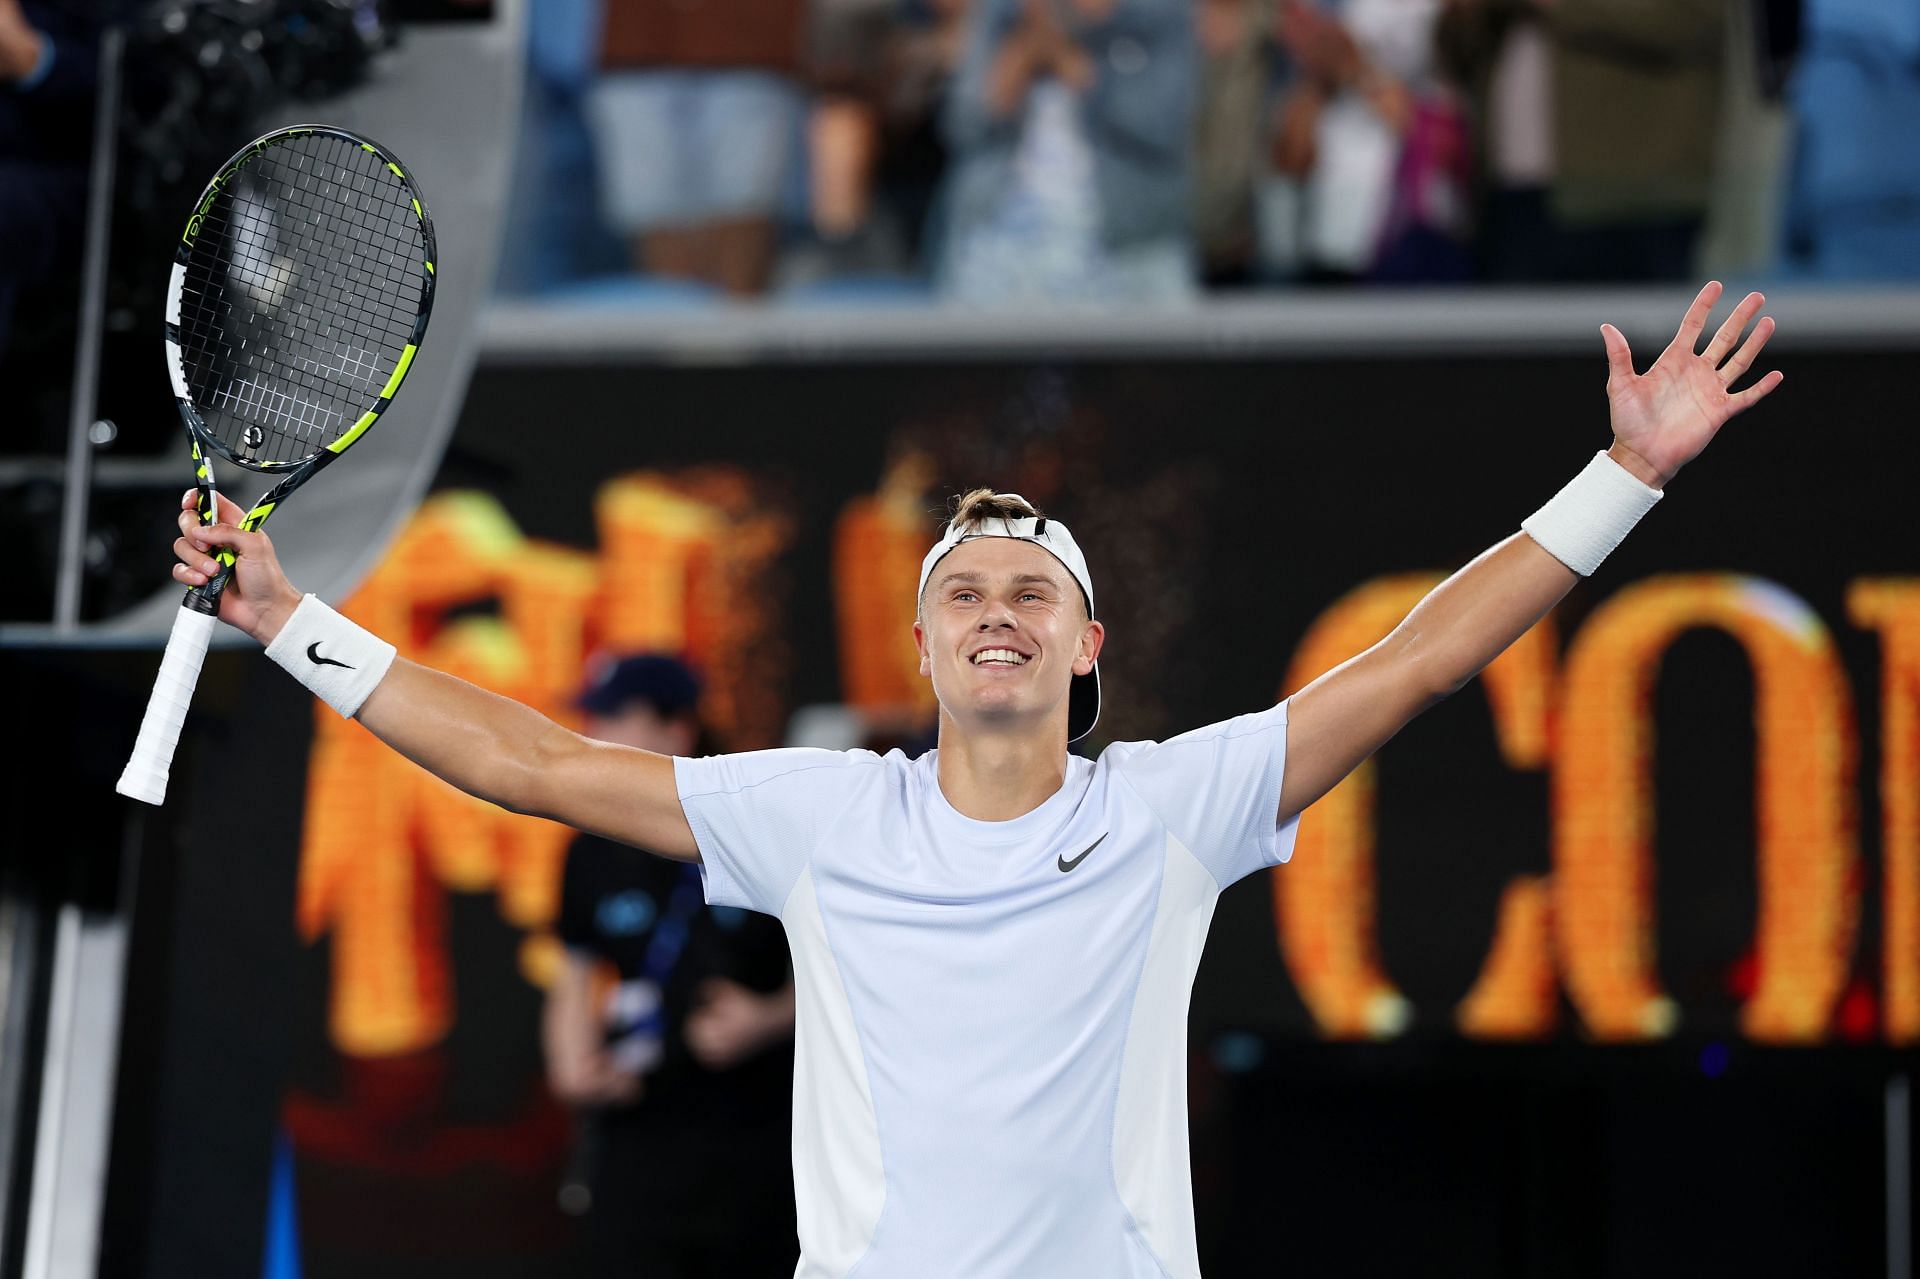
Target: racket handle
{"type": "Point", "coordinates": [145, 777]}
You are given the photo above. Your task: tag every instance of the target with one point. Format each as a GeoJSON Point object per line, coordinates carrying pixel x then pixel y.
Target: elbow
{"type": "Point", "coordinates": [1427, 678]}
{"type": "Point", "coordinates": [1440, 684]}
{"type": "Point", "coordinates": [527, 768]}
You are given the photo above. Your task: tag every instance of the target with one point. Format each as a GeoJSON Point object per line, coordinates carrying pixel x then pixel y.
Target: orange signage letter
{"type": "Point", "coordinates": [1892, 607]}
{"type": "Point", "coordinates": [1803, 779]}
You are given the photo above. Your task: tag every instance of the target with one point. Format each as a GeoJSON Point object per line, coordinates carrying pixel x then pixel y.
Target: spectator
{"type": "Point", "coordinates": [1370, 146]}
{"type": "Point", "coordinates": [1854, 207]}
{"type": "Point", "coordinates": [1071, 127]}
{"type": "Point", "coordinates": [881, 69]}
{"type": "Point", "coordinates": [696, 121]}
{"type": "Point", "coordinates": [48, 70]}
{"type": "Point", "coordinates": [682, 1076]}
{"type": "Point", "coordinates": [1617, 188]}
{"type": "Point", "coordinates": [553, 210]}
{"type": "Point", "coordinates": [848, 64]}
{"type": "Point", "coordinates": [923, 60]}
{"type": "Point", "coordinates": [1230, 139]}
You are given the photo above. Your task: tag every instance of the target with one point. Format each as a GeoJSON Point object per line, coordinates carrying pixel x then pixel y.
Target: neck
{"type": "Point", "coordinates": [995, 777]}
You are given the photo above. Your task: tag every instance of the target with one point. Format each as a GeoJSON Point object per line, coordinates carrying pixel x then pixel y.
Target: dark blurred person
{"type": "Point", "coordinates": [682, 1072]}
{"type": "Point", "coordinates": [881, 71]}
{"type": "Point", "coordinates": [1231, 134]}
{"type": "Point", "coordinates": [1375, 140]}
{"type": "Point", "coordinates": [924, 58]}
{"type": "Point", "coordinates": [697, 121]}
{"type": "Point", "coordinates": [48, 74]}
{"type": "Point", "coordinates": [1071, 128]}
{"type": "Point", "coordinates": [1599, 127]}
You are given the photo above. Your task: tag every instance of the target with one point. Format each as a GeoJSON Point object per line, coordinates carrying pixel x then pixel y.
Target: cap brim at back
{"type": "Point", "coordinates": [1083, 704]}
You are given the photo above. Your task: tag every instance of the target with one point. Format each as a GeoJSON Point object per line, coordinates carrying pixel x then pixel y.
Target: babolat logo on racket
{"type": "Point", "coordinates": [313, 655]}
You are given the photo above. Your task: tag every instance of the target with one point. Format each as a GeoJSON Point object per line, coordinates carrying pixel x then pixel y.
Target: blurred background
{"type": "Point", "coordinates": [1608, 966]}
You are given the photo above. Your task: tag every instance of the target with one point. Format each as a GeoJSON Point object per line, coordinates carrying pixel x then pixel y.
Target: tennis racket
{"type": "Point", "coordinates": [300, 292]}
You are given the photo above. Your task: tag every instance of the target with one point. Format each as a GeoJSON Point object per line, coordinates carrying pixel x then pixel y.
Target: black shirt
{"type": "Point", "coordinates": [614, 902]}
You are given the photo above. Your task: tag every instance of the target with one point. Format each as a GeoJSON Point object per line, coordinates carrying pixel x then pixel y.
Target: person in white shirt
{"type": "Point", "coordinates": [993, 945]}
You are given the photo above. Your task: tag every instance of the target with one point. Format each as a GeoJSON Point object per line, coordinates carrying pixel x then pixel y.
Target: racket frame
{"type": "Point", "coordinates": [206, 598]}
{"type": "Point", "coordinates": [145, 776]}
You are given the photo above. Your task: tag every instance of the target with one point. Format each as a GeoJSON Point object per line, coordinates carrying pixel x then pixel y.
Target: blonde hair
{"type": "Point", "coordinates": [972, 508]}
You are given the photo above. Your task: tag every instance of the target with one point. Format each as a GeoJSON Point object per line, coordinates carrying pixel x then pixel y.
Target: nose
{"type": "Point", "coordinates": [996, 614]}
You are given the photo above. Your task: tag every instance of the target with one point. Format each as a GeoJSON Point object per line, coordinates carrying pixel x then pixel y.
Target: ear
{"type": "Point", "coordinates": [920, 646]}
{"type": "Point", "coordinates": [1091, 641]}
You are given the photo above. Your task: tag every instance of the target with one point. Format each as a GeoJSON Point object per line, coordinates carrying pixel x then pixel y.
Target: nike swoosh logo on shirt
{"type": "Point", "coordinates": [313, 655]}
{"type": "Point", "coordinates": [1066, 865]}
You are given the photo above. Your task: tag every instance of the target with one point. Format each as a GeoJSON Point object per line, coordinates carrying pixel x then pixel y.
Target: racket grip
{"type": "Point", "coordinates": [145, 777]}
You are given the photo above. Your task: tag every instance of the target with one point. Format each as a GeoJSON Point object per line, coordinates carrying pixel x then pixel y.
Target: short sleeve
{"type": "Point", "coordinates": [757, 817]}
{"type": "Point", "coordinates": [1218, 791]}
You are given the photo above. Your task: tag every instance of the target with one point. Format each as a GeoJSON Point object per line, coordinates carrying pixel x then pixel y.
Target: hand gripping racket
{"type": "Point", "coordinates": [300, 292]}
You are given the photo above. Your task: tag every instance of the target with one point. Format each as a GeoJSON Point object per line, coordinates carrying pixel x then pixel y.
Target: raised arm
{"type": "Point", "coordinates": [487, 745]}
{"type": "Point", "coordinates": [1661, 421]}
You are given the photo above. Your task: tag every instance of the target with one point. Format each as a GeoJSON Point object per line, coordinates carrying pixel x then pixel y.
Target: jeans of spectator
{"type": "Point", "coordinates": [554, 234]}
{"type": "Point", "coordinates": [681, 148]}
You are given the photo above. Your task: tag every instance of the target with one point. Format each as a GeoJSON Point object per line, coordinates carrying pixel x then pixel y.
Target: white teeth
{"type": "Point", "coordinates": [999, 655]}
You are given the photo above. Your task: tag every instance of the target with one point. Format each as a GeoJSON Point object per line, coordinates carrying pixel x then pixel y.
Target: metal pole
{"type": "Point", "coordinates": [55, 1071]}
{"type": "Point", "coordinates": [19, 980]}
{"type": "Point", "coordinates": [1899, 1178]}
{"type": "Point", "coordinates": [86, 353]}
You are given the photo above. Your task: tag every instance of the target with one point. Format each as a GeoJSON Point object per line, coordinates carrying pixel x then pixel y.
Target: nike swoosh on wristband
{"type": "Point", "coordinates": [313, 655]}
{"type": "Point", "coordinates": [1066, 865]}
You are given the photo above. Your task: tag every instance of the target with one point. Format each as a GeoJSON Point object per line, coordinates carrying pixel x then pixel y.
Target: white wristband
{"type": "Point", "coordinates": [1584, 521]}
{"type": "Point", "coordinates": [339, 660]}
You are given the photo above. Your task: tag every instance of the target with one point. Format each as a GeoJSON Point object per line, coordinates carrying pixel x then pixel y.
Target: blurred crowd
{"type": "Point", "coordinates": [1005, 151]}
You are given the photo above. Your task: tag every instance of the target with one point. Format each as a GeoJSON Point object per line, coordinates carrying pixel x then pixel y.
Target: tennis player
{"type": "Point", "coordinates": [994, 944]}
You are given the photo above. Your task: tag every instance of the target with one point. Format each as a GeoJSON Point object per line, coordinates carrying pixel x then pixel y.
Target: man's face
{"type": "Point", "coordinates": [1003, 630]}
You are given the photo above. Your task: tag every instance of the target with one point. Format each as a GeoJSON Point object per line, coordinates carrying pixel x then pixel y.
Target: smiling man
{"type": "Point", "coordinates": [993, 944]}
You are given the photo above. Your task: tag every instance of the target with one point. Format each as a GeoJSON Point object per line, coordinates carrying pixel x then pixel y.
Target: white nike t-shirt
{"type": "Point", "coordinates": [990, 1076]}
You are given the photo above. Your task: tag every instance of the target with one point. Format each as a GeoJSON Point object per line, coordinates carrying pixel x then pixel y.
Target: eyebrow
{"type": "Point", "coordinates": [975, 579]}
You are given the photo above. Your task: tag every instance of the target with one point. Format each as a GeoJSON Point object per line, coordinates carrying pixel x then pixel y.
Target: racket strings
{"type": "Point", "coordinates": [301, 292]}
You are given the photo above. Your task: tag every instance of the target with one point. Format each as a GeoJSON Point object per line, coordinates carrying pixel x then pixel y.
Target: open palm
{"type": "Point", "coordinates": [1666, 415]}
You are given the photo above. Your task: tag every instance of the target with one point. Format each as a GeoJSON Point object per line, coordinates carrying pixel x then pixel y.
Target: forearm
{"type": "Point", "coordinates": [487, 745]}
{"type": "Point", "coordinates": [567, 1034]}
{"type": "Point", "coordinates": [578, 1071]}
{"type": "Point", "coordinates": [1353, 710]}
{"type": "Point", "coordinates": [1013, 69]}
{"type": "Point", "coordinates": [1476, 614]}
{"type": "Point", "coordinates": [1471, 618]}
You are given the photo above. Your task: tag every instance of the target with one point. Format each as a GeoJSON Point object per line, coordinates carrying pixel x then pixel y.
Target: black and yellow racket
{"type": "Point", "coordinates": [300, 292]}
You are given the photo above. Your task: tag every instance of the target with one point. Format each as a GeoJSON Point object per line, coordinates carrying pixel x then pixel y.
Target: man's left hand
{"type": "Point", "coordinates": [1663, 418]}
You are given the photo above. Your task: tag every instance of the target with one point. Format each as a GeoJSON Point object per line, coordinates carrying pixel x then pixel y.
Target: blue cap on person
{"type": "Point", "coordinates": [665, 683]}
